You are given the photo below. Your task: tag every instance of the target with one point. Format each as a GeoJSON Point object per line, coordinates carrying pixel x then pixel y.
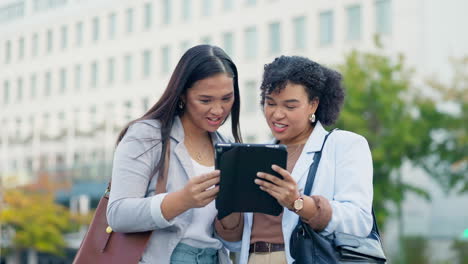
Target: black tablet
{"type": "Point", "coordinates": [239, 164]}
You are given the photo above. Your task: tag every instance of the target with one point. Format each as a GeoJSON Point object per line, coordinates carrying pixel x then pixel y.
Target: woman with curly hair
{"type": "Point", "coordinates": [299, 96]}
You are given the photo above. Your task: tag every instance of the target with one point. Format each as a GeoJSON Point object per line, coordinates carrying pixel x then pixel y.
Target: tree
{"type": "Point", "coordinates": [36, 220]}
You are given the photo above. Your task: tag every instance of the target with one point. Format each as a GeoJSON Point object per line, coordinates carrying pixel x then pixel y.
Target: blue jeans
{"type": "Point", "coordinates": [185, 254]}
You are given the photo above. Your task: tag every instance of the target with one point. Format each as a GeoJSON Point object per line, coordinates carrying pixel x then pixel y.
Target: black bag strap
{"type": "Point", "coordinates": [311, 179]}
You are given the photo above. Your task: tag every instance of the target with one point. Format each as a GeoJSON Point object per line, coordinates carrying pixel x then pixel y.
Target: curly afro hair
{"type": "Point", "coordinates": [319, 81]}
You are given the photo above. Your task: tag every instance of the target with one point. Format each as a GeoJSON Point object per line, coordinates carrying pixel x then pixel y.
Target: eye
{"type": "Point", "coordinates": [270, 103]}
{"type": "Point", "coordinates": [205, 101]}
{"type": "Point", "coordinates": [290, 107]}
{"type": "Point", "coordinates": [227, 99]}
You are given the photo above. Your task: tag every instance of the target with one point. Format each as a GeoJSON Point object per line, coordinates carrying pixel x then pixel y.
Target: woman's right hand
{"type": "Point", "coordinates": [197, 192]}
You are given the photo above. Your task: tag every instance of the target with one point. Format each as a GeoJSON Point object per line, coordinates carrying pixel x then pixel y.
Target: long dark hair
{"type": "Point", "coordinates": [197, 63]}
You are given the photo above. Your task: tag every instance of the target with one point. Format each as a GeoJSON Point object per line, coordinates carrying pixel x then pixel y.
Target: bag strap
{"type": "Point", "coordinates": [311, 179]}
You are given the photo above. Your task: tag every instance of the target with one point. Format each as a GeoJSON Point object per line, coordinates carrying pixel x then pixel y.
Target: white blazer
{"type": "Point", "coordinates": [344, 177]}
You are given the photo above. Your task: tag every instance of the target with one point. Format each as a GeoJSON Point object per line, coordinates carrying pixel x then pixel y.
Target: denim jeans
{"type": "Point", "coordinates": [185, 254]}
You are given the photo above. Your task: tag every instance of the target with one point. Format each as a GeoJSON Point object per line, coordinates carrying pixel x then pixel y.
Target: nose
{"type": "Point", "coordinates": [278, 114]}
{"type": "Point", "coordinates": [217, 109]}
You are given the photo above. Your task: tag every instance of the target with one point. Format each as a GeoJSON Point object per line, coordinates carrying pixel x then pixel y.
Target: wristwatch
{"type": "Point", "coordinates": [298, 204]}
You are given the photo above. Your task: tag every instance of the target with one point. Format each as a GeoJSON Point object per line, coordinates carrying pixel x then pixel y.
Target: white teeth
{"type": "Point", "coordinates": [279, 125]}
{"type": "Point", "coordinates": [214, 119]}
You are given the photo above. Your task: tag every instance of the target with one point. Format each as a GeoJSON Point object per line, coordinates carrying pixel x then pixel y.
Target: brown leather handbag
{"type": "Point", "coordinates": [103, 246]}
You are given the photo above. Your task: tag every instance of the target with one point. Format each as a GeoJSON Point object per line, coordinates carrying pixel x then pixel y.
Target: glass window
{"type": "Point", "coordinates": [79, 34]}
{"type": "Point", "coordinates": [50, 41]}
{"type": "Point", "coordinates": [275, 38]}
{"type": "Point", "coordinates": [228, 5]}
{"type": "Point", "coordinates": [129, 15]}
{"type": "Point", "coordinates": [6, 92]}
{"type": "Point", "coordinates": [205, 40]}
{"type": "Point", "coordinates": [228, 43]}
{"type": "Point", "coordinates": [354, 22]}
{"type": "Point", "coordinates": [251, 2]}
{"type": "Point", "coordinates": [77, 77]}
{"type": "Point", "coordinates": [21, 48]}
{"type": "Point", "coordinates": [128, 68]}
{"type": "Point", "coordinates": [110, 70]}
{"type": "Point", "coordinates": [184, 46]}
{"type": "Point", "coordinates": [251, 95]}
{"type": "Point", "coordinates": [34, 44]}
{"type": "Point", "coordinates": [186, 8]}
{"type": "Point", "coordinates": [63, 80]}
{"type": "Point", "coordinates": [250, 43]}
{"type": "Point", "coordinates": [95, 29]}
{"type": "Point", "coordinates": [94, 74]}
{"type": "Point", "coordinates": [207, 7]}
{"type": "Point", "coordinates": [383, 16]}
{"type": "Point", "coordinates": [112, 21]}
{"type": "Point", "coordinates": [300, 33]}
{"type": "Point", "coordinates": [64, 33]}
{"type": "Point", "coordinates": [166, 16]}
{"type": "Point", "coordinates": [8, 51]}
{"type": "Point", "coordinates": [165, 57]}
{"type": "Point", "coordinates": [33, 86]}
{"type": "Point", "coordinates": [326, 28]}
{"type": "Point", "coordinates": [19, 95]}
{"type": "Point", "coordinates": [146, 63]}
{"type": "Point", "coordinates": [47, 84]}
{"type": "Point", "coordinates": [148, 20]}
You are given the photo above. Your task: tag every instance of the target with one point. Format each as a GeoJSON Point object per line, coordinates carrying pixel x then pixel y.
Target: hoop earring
{"type": "Point", "coordinates": [312, 118]}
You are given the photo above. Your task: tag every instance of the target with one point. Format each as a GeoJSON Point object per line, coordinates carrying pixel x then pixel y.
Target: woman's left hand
{"type": "Point", "coordinates": [283, 190]}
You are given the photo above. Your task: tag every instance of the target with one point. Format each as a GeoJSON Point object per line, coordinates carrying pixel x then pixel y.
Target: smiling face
{"type": "Point", "coordinates": [208, 103]}
{"type": "Point", "coordinates": [287, 113]}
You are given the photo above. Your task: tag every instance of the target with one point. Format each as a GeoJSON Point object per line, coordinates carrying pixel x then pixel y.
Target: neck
{"type": "Point", "coordinates": [299, 139]}
{"type": "Point", "coordinates": [191, 129]}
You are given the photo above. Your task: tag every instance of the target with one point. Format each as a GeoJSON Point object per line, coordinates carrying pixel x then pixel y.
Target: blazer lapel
{"type": "Point", "coordinates": [180, 151]}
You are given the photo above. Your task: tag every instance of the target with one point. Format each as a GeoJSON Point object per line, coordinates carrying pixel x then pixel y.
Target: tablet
{"type": "Point", "coordinates": [239, 164]}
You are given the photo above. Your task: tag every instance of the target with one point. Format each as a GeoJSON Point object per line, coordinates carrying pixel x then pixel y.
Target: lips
{"type": "Point", "coordinates": [279, 127]}
{"type": "Point", "coordinates": [214, 121]}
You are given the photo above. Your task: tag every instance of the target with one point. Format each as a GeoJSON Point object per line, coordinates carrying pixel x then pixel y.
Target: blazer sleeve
{"type": "Point", "coordinates": [129, 210]}
{"type": "Point", "coordinates": [352, 199]}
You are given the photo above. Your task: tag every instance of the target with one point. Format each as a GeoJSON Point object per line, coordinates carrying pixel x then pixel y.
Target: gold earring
{"type": "Point", "coordinates": [312, 118]}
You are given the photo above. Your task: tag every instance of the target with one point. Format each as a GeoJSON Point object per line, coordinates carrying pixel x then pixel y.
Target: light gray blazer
{"type": "Point", "coordinates": [133, 207]}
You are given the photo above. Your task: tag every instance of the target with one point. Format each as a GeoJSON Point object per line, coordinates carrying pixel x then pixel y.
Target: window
{"type": "Point", "coordinates": [33, 86]}
{"type": "Point", "coordinates": [34, 44]}
{"type": "Point", "coordinates": [94, 74]}
{"type": "Point", "coordinates": [79, 34]}
{"type": "Point", "coordinates": [19, 94]}
{"type": "Point", "coordinates": [146, 63]}
{"type": "Point", "coordinates": [47, 84]}
{"type": "Point", "coordinates": [184, 46]}
{"type": "Point", "coordinates": [166, 9]}
{"type": "Point", "coordinates": [148, 20]}
{"type": "Point", "coordinates": [128, 68]}
{"type": "Point", "coordinates": [110, 70]}
{"type": "Point", "coordinates": [354, 22]}
{"type": "Point", "coordinates": [251, 2]}
{"type": "Point", "coordinates": [77, 77]}
{"type": "Point", "coordinates": [129, 15]}
{"type": "Point", "coordinates": [63, 80]}
{"type": "Point", "coordinates": [186, 8]}
{"type": "Point", "coordinates": [228, 5]}
{"type": "Point", "coordinates": [6, 92]}
{"type": "Point", "coordinates": [275, 38]}
{"type": "Point", "coordinates": [21, 48]}
{"type": "Point", "coordinates": [145, 104]}
{"type": "Point", "coordinates": [95, 29]}
{"type": "Point", "coordinates": [128, 110]}
{"type": "Point", "coordinates": [326, 28]}
{"type": "Point", "coordinates": [8, 51]}
{"type": "Point", "coordinates": [64, 41]}
{"type": "Point", "coordinates": [383, 16]}
{"type": "Point", "coordinates": [50, 41]}
{"type": "Point", "coordinates": [228, 43]}
{"type": "Point", "coordinates": [165, 57]}
{"type": "Point", "coordinates": [250, 43]}
{"type": "Point", "coordinates": [206, 7]}
{"type": "Point", "coordinates": [251, 95]}
{"type": "Point", "coordinates": [112, 19]}
{"type": "Point", "coordinates": [300, 33]}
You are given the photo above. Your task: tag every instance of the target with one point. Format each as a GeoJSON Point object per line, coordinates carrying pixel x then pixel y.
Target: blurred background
{"type": "Point", "coordinates": [74, 72]}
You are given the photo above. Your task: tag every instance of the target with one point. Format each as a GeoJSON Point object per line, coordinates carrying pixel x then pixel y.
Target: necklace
{"type": "Point", "coordinates": [296, 149]}
{"type": "Point", "coordinates": [198, 154]}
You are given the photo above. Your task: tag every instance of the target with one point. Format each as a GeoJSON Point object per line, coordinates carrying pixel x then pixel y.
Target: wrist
{"type": "Point", "coordinates": [297, 205]}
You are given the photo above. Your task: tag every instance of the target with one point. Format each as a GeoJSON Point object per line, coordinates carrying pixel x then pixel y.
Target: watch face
{"type": "Point", "coordinates": [298, 204]}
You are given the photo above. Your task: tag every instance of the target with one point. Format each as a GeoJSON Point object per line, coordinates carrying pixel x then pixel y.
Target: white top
{"type": "Point", "coordinates": [199, 233]}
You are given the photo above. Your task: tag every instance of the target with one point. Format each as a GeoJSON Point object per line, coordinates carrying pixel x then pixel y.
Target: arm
{"type": "Point", "coordinates": [230, 227]}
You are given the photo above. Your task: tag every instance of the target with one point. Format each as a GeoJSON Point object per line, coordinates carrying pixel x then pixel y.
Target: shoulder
{"type": "Point", "coordinates": [221, 138]}
{"type": "Point", "coordinates": [342, 139]}
{"type": "Point", "coordinates": [144, 130]}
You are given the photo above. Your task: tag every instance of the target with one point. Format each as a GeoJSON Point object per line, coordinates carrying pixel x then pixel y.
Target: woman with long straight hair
{"type": "Point", "coordinates": [172, 144]}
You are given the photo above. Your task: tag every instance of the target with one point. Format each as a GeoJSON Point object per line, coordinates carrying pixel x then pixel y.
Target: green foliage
{"type": "Point", "coordinates": [416, 249]}
{"type": "Point", "coordinates": [36, 220]}
{"type": "Point", "coordinates": [383, 105]}
{"type": "Point", "coordinates": [461, 249]}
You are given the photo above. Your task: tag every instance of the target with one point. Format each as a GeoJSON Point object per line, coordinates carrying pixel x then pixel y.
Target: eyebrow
{"type": "Point", "coordinates": [209, 96]}
{"type": "Point", "coordinates": [286, 101]}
